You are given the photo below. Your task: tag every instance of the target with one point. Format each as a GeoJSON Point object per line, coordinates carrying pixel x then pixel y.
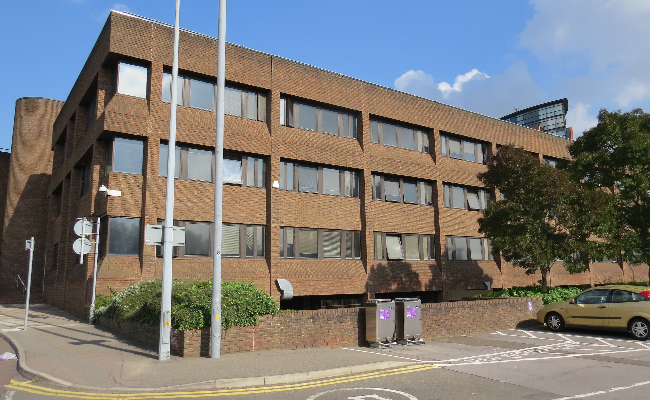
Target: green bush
{"type": "Point", "coordinates": [554, 294]}
{"type": "Point", "coordinates": [241, 304]}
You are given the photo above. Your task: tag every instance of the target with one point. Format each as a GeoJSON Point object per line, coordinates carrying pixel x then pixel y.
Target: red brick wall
{"type": "Point", "coordinates": [340, 327]}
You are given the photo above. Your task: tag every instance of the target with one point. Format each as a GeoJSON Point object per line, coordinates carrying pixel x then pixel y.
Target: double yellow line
{"type": "Point", "coordinates": [35, 389]}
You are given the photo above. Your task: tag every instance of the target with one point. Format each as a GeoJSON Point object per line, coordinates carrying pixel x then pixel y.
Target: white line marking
{"type": "Point", "coordinates": [615, 389]}
{"type": "Point", "coordinates": [499, 333]}
{"type": "Point", "coordinates": [566, 338]}
{"type": "Point", "coordinates": [529, 334]}
{"type": "Point", "coordinates": [606, 342]}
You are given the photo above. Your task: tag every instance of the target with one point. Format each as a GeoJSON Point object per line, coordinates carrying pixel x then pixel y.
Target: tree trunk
{"type": "Point", "coordinates": [544, 271]}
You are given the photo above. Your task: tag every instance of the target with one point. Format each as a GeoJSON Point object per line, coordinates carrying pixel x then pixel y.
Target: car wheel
{"type": "Point", "coordinates": [639, 328]}
{"type": "Point", "coordinates": [555, 322]}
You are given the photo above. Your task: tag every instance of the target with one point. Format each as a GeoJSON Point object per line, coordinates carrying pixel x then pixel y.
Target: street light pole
{"type": "Point", "coordinates": [215, 338]}
{"type": "Point", "coordinates": [164, 345]}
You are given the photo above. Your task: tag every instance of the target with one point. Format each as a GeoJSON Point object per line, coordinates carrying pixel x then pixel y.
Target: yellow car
{"type": "Point", "coordinates": [612, 306]}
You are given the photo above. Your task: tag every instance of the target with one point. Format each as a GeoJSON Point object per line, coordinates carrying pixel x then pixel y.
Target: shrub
{"type": "Point", "coordinates": [554, 294]}
{"type": "Point", "coordinates": [241, 304]}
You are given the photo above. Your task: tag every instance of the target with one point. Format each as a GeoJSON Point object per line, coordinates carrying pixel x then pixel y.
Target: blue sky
{"type": "Point", "coordinates": [487, 57]}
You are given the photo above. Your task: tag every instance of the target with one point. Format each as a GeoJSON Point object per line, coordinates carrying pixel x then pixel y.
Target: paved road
{"type": "Point", "coordinates": [514, 364]}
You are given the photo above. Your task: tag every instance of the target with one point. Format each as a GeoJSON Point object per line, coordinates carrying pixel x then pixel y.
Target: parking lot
{"type": "Point", "coordinates": [571, 364]}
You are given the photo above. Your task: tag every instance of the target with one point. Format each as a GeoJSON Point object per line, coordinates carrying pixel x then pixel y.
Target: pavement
{"type": "Point", "coordinates": [60, 349]}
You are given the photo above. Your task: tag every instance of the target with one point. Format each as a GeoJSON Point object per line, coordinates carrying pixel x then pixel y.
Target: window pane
{"type": "Point", "coordinates": [250, 241]}
{"type": "Point", "coordinates": [252, 106]}
{"type": "Point", "coordinates": [479, 153]}
{"type": "Point", "coordinates": [446, 195]}
{"type": "Point", "coordinates": [488, 250]}
{"type": "Point", "coordinates": [394, 247]}
{"type": "Point", "coordinates": [132, 80]}
{"type": "Point", "coordinates": [461, 248]}
{"type": "Point", "coordinates": [346, 126]}
{"type": "Point", "coordinates": [429, 194]}
{"type": "Point", "coordinates": [331, 182]}
{"type": "Point", "coordinates": [232, 102]}
{"type": "Point", "coordinates": [308, 240]}
{"type": "Point", "coordinates": [454, 148]}
{"type": "Point", "coordinates": [432, 248]}
{"type": "Point", "coordinates": [425, 143]}
{"type": "Point", "coordinates": [391, 187]}
{"type": "Point", "coordinates": [348, 245]}
{"type": "Point", "coordinates": [230, 241]}
{"type": "Point", "coordinates": [379, 250]}
{"type": "Point", "coordinates": [357, 245]}
{"type": "Point", "coordinates": [167, 89]}
{"type": "Point", "coordinates": [412, 247]}
{"type": "Point", "coordinates": [468, 148]}
{"type": "Point", "coordinates": [410, 192]}
{"type": "Point", "coordinates": [450, 248]}
{"type": "Point", "coordinates": [282, 242]}
{"type": "Point", "coordinates": [406, 138]}
{"type": "Point", "coordinates": [201, 94]}
{"type": "Point", "coordinates": [250, 171]}
{"type": "Point", "coordinates": [308, 179]}
{"type": "Point", "coordinates": [332, 244]}
{"type": "Point", "coordinates": [376, 187]}
{"type": "Point", "coordinates": [374, 131]}
{"type": "Point", "coordinates": [232, 170]}
{"type": "Point", "coordinates": [443, 145]}
{"type": "Point", "coordinates": [472, 200]}
{"type": "Point", "coordinates": [353, 127]}
{"type": "Point", "coordinates": [390, 135]}
{"type": "Point", "coordinates": [283, 107]}
{"type": "Point", "coordinates": [484, 197]}
{"type": "Point", "coordinates": [260, 172]}
{"type": "Point", "coordinates": [475, 248]}
{"type": "Point", "coordinates": [290, 176]}
{"type": "Point", "coordinates": [289, 237]}
{"type": "Point", "coordinates": [162, 161]}
{"type": "Point", "coordinates": [199, 165]}
{"type": "Point", "coordinates": [124, 236]}
{"type": "Point", "coordinates": [197, 239]}
{"type": "Point", "coordinates": [307, 116]}
{"type": "Point", "coordinates": [458, 197]}
{"type": "Point", "coordinates": [260, 240]}
{"type": "Point", "coordinates": [425, 247]}
{"type": "Point", "coordinates": [261, 107]}
{"type": "Point", "coordinates": [330, 122]}
{"type": "Point", "coordinates": [347, 184]}
{"type": "Point", "coordinates": [128, 155]}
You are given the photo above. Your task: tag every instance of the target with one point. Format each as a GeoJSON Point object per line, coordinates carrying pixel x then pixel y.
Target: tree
{"type": "Point", "coordinates": [544, 216]}
{"type": "Point", "coordinates": [615, 155]}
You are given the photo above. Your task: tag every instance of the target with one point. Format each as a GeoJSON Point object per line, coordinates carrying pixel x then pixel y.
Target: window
{"type": "Point", "coordinates": [399, 136]}
{"type": "Point", "coordinates": [625, 296]}
{"type": "Point", "coordinates": [465, 198]}
{"type": "Point", "coordinates": [550, 161]}
{"type": "Point", "coordinates": [126, 156]}
{"type": "Point", "coordinates": [410, 247]}
{"type": "Point", "coordinates": [237, 241]}
{"type": "Point", "coordinates": [86, 171]}
{"type": "Point", "coordinates": [316, 179]}
{"type": "Point", "coordinates": [91, 111]}
{"type": "Point", "coordinates": [196, 164]}
{"type": "Point", "coordinates": [195, 93]}
{"type": "Point", "coordinates": [461, 248]}
{"type": "Point", "coordinates": [55, 256]}
{"type": "Point", "coordinates": [132, 80]}
{"type": "Point", "coordinates": [319, 244]}
{"type": "Point", "coordinates": [596, 296]}
{"type": "Point", "coordinates": [124, 236]}
{"type": "Point", "coordinates": [317, 119]}
{"type": "Point", "coordinates": [463, 149]}
{"type": "Point", "coordinates": [401, 190]}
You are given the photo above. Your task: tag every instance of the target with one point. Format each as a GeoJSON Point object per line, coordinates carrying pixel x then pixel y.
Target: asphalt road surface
{"type": "Point", "coordinates": [513, 364]}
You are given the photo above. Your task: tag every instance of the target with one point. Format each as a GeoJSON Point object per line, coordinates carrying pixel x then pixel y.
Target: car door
{"type": "Point", "coordinates": [624, 305]}
{"type": "Point", "coordinates": [589, 308]}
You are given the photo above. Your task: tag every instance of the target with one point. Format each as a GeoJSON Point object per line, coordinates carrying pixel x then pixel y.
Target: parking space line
{"type": "Point", "coordinates": [529, 334]}
{"type": "Point", "coordinates": [615, 389]}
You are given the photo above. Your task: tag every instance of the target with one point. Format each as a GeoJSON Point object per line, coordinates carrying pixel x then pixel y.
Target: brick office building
{"type": "Point", "coordinates": [344, 188]}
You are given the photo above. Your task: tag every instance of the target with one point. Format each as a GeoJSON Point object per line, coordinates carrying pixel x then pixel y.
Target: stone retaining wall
{"type": "Point", "coordinates": [322, 328]}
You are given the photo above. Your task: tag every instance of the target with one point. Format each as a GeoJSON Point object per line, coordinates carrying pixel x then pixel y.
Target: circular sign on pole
{"type": "Point", "coordinates": [83, 225]}
{"type": "Point", "coordinates": [81, 244]}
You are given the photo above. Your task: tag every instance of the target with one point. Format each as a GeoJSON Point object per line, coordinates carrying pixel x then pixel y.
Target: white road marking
{"type": "Point", "coordinates": [408, 396]}
{"type": "Point", "coordinates": [584, 395]}
{"type": "Point", "coordinates": [529, 334]}
{"type": "Point", "coordinates": [606, 342]}
{"type": "Point", "coordinates": [8, 395]}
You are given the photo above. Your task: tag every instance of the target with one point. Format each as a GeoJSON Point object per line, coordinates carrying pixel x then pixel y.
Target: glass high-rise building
{"type": "Point", "coordinates": [548, 117]}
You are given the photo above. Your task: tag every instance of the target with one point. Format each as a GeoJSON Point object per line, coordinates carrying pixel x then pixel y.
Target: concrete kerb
{"type": "Point", "coordinates": [32, 374]}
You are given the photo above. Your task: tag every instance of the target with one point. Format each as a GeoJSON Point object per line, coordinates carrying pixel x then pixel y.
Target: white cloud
{"type": "Point", "coordinates": [578, 117]}
{"type": "Point", "coordinates": [599, 44]}
{"type": "Point", "coordinates": [494, 95]}
{"type": "Point", "coordinates": [446, 88]}
{"type": "Point", "coordinates": [121, 7]}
